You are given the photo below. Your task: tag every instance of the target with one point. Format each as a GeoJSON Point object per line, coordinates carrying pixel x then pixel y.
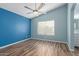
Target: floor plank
{"type": "Point", "coordinates": [34, 47]}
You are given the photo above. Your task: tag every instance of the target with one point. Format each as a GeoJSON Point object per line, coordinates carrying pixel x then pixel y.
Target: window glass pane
{"type": "Point", "coordinates": [46, 28]}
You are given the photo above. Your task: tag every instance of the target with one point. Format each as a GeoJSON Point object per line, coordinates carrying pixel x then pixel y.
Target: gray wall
{"type": "Point", "coordinates": [70, 26]}
{"type": "Point", "coordinates": [60, 17]}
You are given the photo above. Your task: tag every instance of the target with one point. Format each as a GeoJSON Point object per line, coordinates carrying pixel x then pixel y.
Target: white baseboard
{"type": "Point", "coordinates": [36, 39]}
{"type": "Point", "coordinates": [70, 48]}
{"type": "Point", "coordinates": [55, 41]}
{"type": "Point", "coordinates": [49, 40]}
{"type": "Point", "coordinates": [14, 43]}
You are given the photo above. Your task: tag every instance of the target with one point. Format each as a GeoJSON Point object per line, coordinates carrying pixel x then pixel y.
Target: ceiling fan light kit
{"type": "Point", "coordinates": [36, 10]}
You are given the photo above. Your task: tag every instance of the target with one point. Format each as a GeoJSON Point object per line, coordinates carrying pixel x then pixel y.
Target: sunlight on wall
{"type": "Point", "coordinates": [46, 28]}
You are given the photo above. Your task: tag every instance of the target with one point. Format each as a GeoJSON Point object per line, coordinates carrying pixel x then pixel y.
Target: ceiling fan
{"type": "Point", "coordinates": [36, 10]}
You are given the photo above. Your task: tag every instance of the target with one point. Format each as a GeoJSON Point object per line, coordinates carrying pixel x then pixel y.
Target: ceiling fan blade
{"type": "Point", "coordinates": [29, 13]}
{"type": "Point", "coordinates": [42, 12]}
{"type": "Point", "coordinates": [28, 8]}
{"type": "Point", "coordinates": [41, 5]}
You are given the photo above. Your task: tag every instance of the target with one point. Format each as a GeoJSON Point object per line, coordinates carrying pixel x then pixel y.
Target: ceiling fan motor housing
{"type": "Point", "coordinates": [35, 10]}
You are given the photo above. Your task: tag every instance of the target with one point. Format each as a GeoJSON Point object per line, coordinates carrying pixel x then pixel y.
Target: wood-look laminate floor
{"type": "Point", "coordinates": [34, 47]}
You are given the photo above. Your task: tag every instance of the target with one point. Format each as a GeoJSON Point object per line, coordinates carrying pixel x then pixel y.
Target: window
{"type": "Point", "coordinates": [46, 28]}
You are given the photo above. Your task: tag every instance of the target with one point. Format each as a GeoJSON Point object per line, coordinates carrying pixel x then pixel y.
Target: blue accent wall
{"type": "Point", "coordinates": [59, 15]}
{"type": "Point", "coordinates": [13, 27]}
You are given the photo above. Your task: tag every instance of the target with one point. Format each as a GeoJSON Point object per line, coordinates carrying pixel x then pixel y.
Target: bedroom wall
{"type": "Point", "coordinates": [13, 27]}
{"type": "Point", "coordinates": [59, 15]}
{"type": "Point", "coordinates": [70, 26]}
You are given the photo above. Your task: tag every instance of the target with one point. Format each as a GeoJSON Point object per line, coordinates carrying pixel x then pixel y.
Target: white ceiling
{"type": "Point", "coordinates": [19, 8]}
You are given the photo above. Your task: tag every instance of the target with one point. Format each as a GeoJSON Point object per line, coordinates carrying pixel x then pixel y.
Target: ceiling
{"type": "Point", "coordinates": [18, 8]}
